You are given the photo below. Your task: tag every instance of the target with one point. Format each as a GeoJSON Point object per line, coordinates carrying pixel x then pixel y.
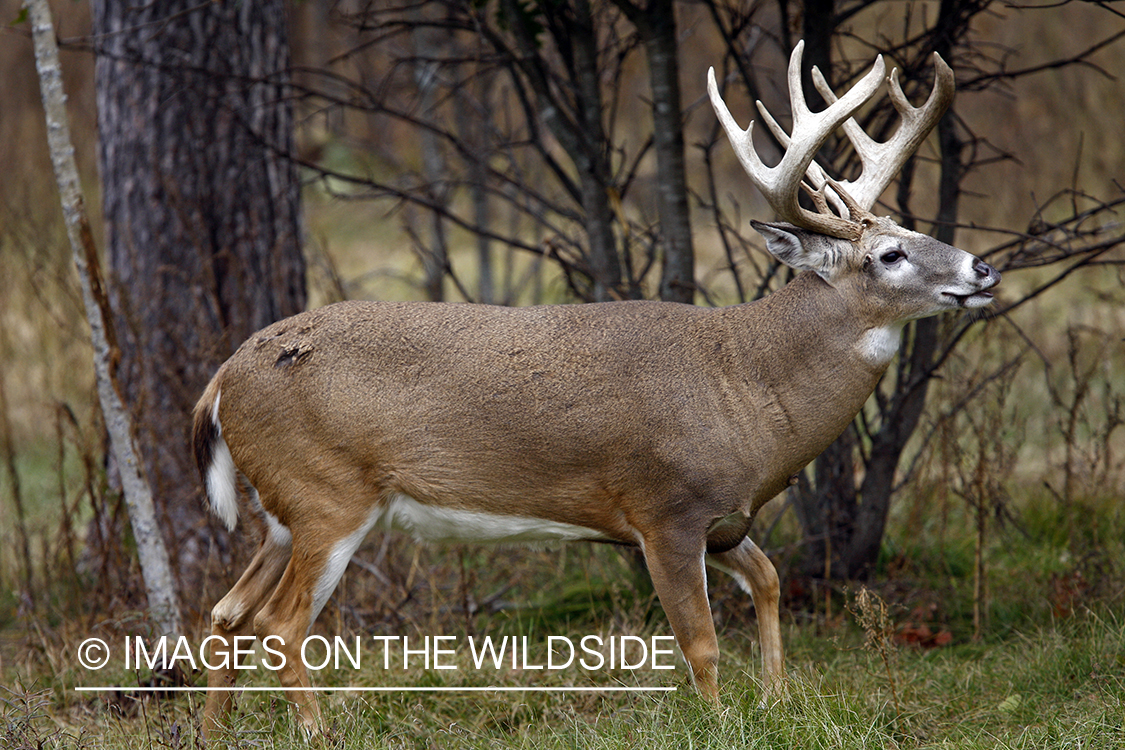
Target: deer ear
{"type": "Point", "coordinates": [798, 248]}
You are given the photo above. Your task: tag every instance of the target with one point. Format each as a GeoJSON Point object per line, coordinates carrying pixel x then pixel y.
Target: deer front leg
{"type": "Point", "coordinates": [234, 616]}
{"type": "Point", "coordinates": [681, 584]}
{"type": "Point", "coordinates": [757, 576]}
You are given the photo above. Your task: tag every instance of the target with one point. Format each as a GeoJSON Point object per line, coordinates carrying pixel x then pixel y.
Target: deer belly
{"type": "Point", "coordinates": [435, 523]}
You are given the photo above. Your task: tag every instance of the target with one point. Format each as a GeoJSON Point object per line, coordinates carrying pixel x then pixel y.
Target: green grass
{"type": "Point", "coordinates": [1055, 687]}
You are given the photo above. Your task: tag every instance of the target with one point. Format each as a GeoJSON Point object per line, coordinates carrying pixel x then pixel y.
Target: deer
{"type": "Point", "coordinates": [659, 426]}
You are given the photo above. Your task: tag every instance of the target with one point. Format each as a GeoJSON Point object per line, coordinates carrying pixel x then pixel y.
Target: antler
{"type": "Point", "coordinates": [780, 184]}
{"type": "Point", "coordinates": [882, 161]}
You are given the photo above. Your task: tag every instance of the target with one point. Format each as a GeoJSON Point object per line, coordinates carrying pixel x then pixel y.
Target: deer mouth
{"type": "Point", "coordinates": [974, 299]}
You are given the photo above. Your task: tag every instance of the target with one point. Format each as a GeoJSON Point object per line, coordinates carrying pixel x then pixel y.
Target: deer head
{"type": "Point", "coordinates": [903, 273]}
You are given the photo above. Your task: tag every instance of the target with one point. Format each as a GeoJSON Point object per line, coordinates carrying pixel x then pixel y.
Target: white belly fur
{"type": "Point", "coordinates": [432, 523]}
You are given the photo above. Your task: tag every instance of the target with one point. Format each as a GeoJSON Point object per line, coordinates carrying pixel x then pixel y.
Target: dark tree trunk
{"type": "Point", "coordinates": [902, 417]}
{"type": "Point", "coordinates": [656, 23]}
{"type": "Point", "coordinates": [592, 160]}
{"type": "Point", "coordinates": [202, 215]}
{"type": "Point", "coordinates": [575, 119]}
{"type": "Point", "coordinates": [827, 507]}
{"type": "Point", "coordinates": [845, 523]}
{"type": "Point", "coordinates": [861, 549]}
{"type": "Point", "coordinates": [818, 29]}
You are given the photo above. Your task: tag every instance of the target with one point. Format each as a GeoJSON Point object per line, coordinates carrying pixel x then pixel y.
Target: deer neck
{"type": "Point", "coordinates": [809, 358]}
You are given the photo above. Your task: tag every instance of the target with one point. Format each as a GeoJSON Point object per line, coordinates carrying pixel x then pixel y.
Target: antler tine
{"type": "Point", "coordinates": [882, 161]}
{"type": "Point", "coordinates": [817, 177]}
{"type": "Point", "coordinates": [781, 184]}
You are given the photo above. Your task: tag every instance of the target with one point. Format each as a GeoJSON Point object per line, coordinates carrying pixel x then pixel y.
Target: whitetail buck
{"type": "Point", "coordinates": [657, 425]}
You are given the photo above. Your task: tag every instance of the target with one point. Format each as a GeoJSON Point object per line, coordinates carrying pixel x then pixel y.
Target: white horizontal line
{"type": "Point", "coordinates": [495, 689]}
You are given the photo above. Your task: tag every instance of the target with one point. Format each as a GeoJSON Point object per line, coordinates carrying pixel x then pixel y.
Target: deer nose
{"type": "Point", "coordinates": [984, 270]}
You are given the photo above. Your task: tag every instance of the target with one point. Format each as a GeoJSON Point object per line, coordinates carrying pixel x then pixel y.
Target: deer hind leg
{"type": "Point", "coordinates": [321, 551]}
{"type": "Point", "coordinates": [234, 616]}
{"type": "Point", "coordinates": [757, 576]}
{"type": "Point", "coordinates": [680, 581]}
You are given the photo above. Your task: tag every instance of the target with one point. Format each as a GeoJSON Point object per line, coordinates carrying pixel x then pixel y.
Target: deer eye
{"type": "Point", "coordinates": [892, 256]}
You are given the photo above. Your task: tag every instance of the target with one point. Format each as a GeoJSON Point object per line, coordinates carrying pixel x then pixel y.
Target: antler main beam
{"type": "Point", "coordinates": [781, 184]}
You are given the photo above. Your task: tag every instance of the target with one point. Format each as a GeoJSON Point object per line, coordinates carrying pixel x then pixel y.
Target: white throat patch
{"type": "Point", "coordinates": [878, 346]}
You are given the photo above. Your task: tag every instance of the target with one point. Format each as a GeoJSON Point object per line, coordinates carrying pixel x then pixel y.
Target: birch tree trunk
{"type": "Point", "coordinates": [157, 572]}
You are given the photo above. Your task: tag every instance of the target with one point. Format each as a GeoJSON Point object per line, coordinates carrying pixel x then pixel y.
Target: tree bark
{"type": "Point", "coordinates": [656, 24]}
{"type": "Point", "coordinates": [909, 401]}
{"type": "Point", "coordinates": [592, 161]}
{"type": "Point", "coordinates": [202, 215]}
{"type": "Point", "coordinates": [818, 29]}
{"type": "Point", "coordinates": [862, 546]}
{"type": "Point", "coordinates": [434, 250]}
{"type": "Point", "coordinates": [576, 123]}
